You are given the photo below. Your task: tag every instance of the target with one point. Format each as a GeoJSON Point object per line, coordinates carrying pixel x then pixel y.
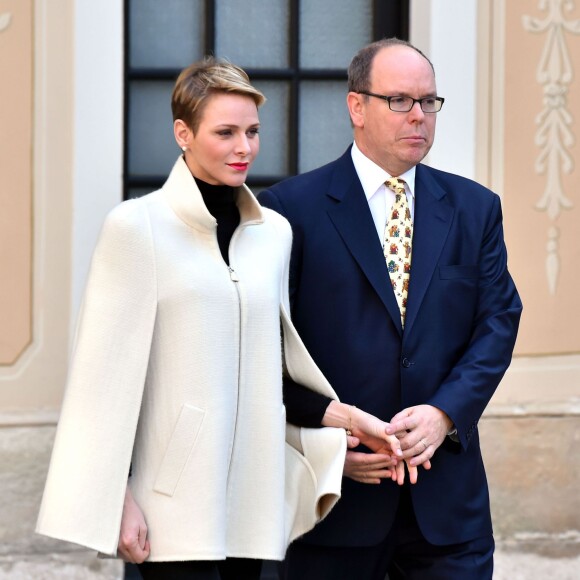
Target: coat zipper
{"type": "Point", "coordinates": [235, 279]}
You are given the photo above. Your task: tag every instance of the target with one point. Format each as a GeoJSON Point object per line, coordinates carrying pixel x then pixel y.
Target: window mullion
{"type": "Point", "coordinates": [391, 19]}
{"type": "Point", "coordinates": [209, 41]}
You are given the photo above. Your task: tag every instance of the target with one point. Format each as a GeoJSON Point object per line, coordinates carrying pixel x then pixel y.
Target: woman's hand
{"type": "Point", "coordinates": [371, 432]}
{"type": "Point", "coordinates": [367, 467]}
{"type": "Point", "coordinates": [133, 543]}
{"type": "Point", "coordinates": [368, 429]}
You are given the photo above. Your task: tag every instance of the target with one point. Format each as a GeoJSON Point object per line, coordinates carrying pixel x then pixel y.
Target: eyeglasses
{"type": "Point", "coordinates": [402, 104]}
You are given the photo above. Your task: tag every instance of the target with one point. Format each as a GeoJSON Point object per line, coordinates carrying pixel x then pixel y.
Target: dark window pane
{"type": "Point", "coordinates": [262, 40]}
{"type": "Point", "coordinates": [325, 130]}
{"type": "Point", "coordinates": [152, 147]}
{"type": "Point", "coordinates": [165, 34]}
{"type": "Point", "coordinates": [331, 33]}
{"type": "Point", "coordinates": [273, 158]}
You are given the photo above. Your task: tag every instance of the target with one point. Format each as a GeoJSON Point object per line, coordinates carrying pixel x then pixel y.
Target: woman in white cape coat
{"type": "Point", "coordinates": [177, 366]}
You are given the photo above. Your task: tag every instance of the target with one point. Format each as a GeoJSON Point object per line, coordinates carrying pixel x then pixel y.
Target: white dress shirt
{"type": "Point", "coordinates": [380, 198]}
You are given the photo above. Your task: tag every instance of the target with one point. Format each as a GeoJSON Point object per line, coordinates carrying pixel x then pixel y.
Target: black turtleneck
{"type": "Point", "coordinates": [220, 202]}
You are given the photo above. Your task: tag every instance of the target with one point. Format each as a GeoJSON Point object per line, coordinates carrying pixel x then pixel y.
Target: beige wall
{"type": "Point", "coordinates": [529, 115]}
{"type": "Point", "coordinates": [16, 35]}
{"type": "Point", "coordinates": [542, 171]}
{"type": "Point", "coordinates": [529, 109]}
{"type": "Point", "coordinates": [33, 373]}
{"type": "Point", "coordinates": [37, 168]}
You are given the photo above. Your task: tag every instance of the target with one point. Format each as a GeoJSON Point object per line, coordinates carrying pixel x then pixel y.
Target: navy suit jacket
{"type": "Point", "coordinates": [461, 323]}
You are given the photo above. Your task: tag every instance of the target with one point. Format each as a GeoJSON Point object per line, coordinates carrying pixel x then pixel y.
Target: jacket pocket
{"type": "Point", "coordinates": [458, 271]}
{"type": "Point", "coordinates": [300, 495]}
{"type": "Point", "coordinates": [178, 449]}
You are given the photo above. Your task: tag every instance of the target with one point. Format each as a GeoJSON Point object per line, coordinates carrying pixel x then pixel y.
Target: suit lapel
{"type": "Point", "coordinates": [352, 218]}
{"type": "Point", "coordinates": [432, 221]}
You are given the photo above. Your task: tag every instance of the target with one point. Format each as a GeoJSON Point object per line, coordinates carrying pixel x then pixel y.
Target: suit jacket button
{"type": "Point", "coordinates": [406, 362]}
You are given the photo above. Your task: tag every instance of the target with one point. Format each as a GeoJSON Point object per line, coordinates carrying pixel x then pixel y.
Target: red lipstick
{"type": "Point", "coordinates": [239, 166]}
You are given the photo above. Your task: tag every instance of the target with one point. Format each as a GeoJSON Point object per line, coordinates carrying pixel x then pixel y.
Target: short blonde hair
{"type": "Point", "coordinates": [199, 81]}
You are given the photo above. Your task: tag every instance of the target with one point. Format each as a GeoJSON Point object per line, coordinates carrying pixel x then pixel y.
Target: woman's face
{"type": "Point", "coordinates": [226, 142]}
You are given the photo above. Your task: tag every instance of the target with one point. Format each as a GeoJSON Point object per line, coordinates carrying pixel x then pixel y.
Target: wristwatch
{"type": "Point", "coordinates": [452, 433]}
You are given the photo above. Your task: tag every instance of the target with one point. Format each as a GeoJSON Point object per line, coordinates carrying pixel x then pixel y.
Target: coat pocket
{"type": "Point", "coordinates": [179, 448]}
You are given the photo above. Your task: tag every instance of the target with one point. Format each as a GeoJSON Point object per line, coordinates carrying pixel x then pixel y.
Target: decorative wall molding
{"type": "Point", "coordinates": [554, 135]}
{"type": "Point", "coordinates": [16, 234]}
{"type": "Point", "coordinates": [35, 381]}
{"type": "Point", "coordinates": [5, 20]}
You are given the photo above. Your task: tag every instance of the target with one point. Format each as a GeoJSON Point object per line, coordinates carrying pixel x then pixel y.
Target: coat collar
{"type": "Point", "coordinates": [432, 221]}
{"type": "Point", "coordinates": [353, 220]}
{"type": "Point", "coordinates": [185, 200]}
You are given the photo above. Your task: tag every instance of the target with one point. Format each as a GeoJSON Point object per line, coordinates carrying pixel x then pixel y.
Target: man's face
{"type": "Point", "coordinates": [396, 141]}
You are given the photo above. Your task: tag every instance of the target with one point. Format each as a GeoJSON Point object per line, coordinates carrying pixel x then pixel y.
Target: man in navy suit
{"type": "Point", "coordinates": [431, 374]}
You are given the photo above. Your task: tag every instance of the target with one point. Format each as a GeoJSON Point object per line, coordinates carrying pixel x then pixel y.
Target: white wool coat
{"type": "Point", "coordinates": [177, 367]}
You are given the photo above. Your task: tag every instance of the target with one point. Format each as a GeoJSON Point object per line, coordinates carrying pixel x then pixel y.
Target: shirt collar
{"type": "Point", "coordinates": [373, 177]}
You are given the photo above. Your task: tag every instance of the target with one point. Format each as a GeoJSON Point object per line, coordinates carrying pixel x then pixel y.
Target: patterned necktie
{"type": "Point", "coordinates": [397, 248]}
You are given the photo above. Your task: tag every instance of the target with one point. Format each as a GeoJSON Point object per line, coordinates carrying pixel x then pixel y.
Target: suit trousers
{"type": "Point", "coordinates": [404, 555]}
{"type": "Point", "coordinates": [229, 569]}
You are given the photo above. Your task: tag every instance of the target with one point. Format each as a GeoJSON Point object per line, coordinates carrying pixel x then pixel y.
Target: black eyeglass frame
{"type": "Point", "coordinates": [386, 98]}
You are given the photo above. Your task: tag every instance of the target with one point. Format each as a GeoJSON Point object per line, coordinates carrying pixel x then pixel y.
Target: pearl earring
{"type": "Point", "coordinates": [184, 148]}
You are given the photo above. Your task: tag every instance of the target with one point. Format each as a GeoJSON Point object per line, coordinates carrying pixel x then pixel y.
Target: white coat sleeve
{"type": "Point", "coordinates": [85, 487]}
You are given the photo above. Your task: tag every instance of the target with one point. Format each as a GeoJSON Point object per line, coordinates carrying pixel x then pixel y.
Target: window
{"type": "Point", "coordinates": [295, 51]}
